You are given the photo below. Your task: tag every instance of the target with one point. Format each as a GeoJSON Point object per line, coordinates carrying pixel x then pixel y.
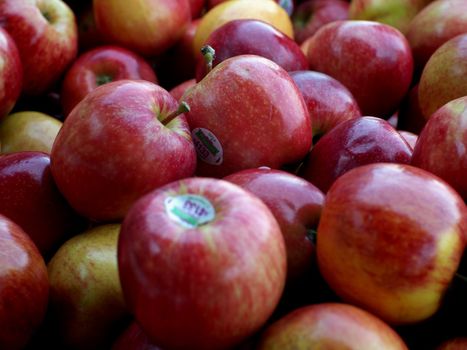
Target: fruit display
{"type": "Point", "coordinates": [233, 174]}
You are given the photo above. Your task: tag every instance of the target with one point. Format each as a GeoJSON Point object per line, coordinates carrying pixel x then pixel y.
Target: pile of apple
{"type": "Point", "coordinates": [240, 174]}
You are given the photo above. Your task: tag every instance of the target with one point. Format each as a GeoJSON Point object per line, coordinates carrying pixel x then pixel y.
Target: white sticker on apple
{"type": "Point", "coordinates": [207, 146]}
{"type": "Point", "coordinates": [189, 210]}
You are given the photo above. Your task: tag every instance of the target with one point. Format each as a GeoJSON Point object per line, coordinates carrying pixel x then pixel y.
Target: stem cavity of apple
{"type": "Point", "coordinates": [103, 79]}
{"type": "Point", "coordinates": [183, 107]}
{"type": "Point", "coordinates": [209, 55]}
{"type": "Point", "coordinates": [312, 234]}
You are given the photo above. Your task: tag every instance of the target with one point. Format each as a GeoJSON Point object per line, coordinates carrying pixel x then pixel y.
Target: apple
{"type": "Point", "coordinates": [31, 199]}
{"type": "Point", "coordinates": [311, 15]}
{"type": "Point", "coordinates": [247, 112]}
{"type": "Point", "coordinates": [296, 204]}
{"type": "Point", "coordinates": [443, 78]}
{"type": "Point", "coordinates": [178, 91]}
{"type": "Point", "coordinates": [328, 101]}
{"type": "Point", "coordinates": [390, 240]}
{"type": "Point", "coordinates": [330, 326]}
{"type": "Point", "coordinates": [459, 343]}
{"type": "Point", "coordinates": [86, 298]}
{"type": "Point", "coordinates": [28, 131]}
{"type": "Point", "coordinates": [442, 145]}
{"type": "Point", "coordinates": [373, 60]}
{"type": "Point", "coordinates": [410, 115]}
{"type": "Point", "coordinates": [122, 140]}
{"type": "Point", "coordinates": [351, 144]}
{"type": "Point", "coordinates": [133, 338]}
{"type": "Point", "coordinates": [45, 33]}
{"type": "Point", "coordinates": [11, 73]}
{"type": "Point", "coordinates": [396, 13]}
{"type": "Point", "coordinates": [202, 264]}
{"type": "Point", "coordinates": [265, 10]}
{"type": "Point", "coordinates": [196, 8]}
{"type": "Point", "coordinates": [433, 26]}
{"type": "Point", "coordinates": [99, 66]}
{"type": "Point", "coordinates": [287, 5]}
{"type": "Point", "coordinates": [24, 286]}
{"type": "Point", "coordinates": [409, 137]}
{"type": "Point", "coordinates": [251, 36]}
{"type": "Point", "coordinates": [148, 27]}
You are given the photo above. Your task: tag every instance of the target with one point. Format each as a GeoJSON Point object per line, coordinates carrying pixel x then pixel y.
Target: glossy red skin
{"type": "Point", "coordinates": [410, 115]}
{"type": "Point", "coordinates": [255, 110]}
{"type": "Point", "coordinates": [351, 144]}
{"type": "Point", "coordinates": [373, 60]}
{"type": "Point", "coordinates": [311, 15]}
{"type": "Point", "coordinates": [178, 91]}
{"type": "Point", "coordinates": [11, 73]}
{"type": "Point", "coordinates": [390, 240]}
{"type": "Point", "coordinates": [250, 36]}
{"type": "Point", "coordinates": [328, 101]}
{"type": "Point", "coordinates": [113, 62]}
{"type": "Point", "coordinates": [443, 78]}
{"type": "Point", "coordinates": [133, 338]}
{"type": "Point", "coordinates": [148, 27]}
{"type": "Point", "coordinates": [295, 203]}
{"type": "Point", "coordinates": [442, 145]}
{"type": "Point", "coordinates": [31, 199]}
{"type": "Point", "coordinates": [433, 26]}
{"type": "Point", "coordinates": [409, 137]}
{"type": "Point", "coordinates": [330, 326]}
{"type": "Point", "coordinates": [454, 344]}
{"type": "Point", "coordinates": [112, 148]}
{"type": "Point", "coordinates": [24, 286]}
{"type": "Point", "coordinates": [45, 49]}
{"type": "Point", "coordinates": [196, 7]}
{"type": "Point", "coordinates": [208, 287]}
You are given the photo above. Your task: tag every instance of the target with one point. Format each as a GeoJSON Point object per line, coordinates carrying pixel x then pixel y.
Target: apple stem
{"type": "Point", "coordinates": [312, 234]}
{"type": "Point", "coordinates": [183, 107]}
{"type": "Point", "coordinates": [209, 54]}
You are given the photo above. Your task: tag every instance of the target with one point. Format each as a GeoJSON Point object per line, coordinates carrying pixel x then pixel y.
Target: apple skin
{"type": "Point", "coordinates": [31, 199]}
{"type": "Point", "coordinates": [328, 101]}
{"type": "Point", "coordinates": [196, 8]}
{"type": "Point", "coordinates": [351, 144]}
{"type": "Point", "coordinates": [11, 73]}
{"type": "Point", "coordinates": [311, 15]}
{"type": "Point", "coordinates": [28, 131]}
{"type": "Point", "coordinates": [410, 116]}
{"type": "Point", "coordinates": [133, 338]}
{"type": "Point", "coordinates": [433, 26]}
{"type": "Point", "coordinates": [390, 240]}
{"type": "Point", "coordinates": [208, 285]}
{"type": "Point", "coordinates": [86, 298]}
{"type": "Point", "coordinates": [178, 91]}
{"type": "Point", "coordinates": [24, 286]}
{"type": "Point", "coordinates": [46, 46]}
{"type": "Point", "coordinates": [99, 66]}
{"type": "Point", "coordinates": [409, 137]}
{"type": "Point", "coordinates": [296, 204]}
{"type": "Point", "coordinates": [341, 48]}
{"type": "Point", "coordinates": [114, 147]}
{"type": "Point", "coordinates": [255, 37]}
{"type": "Point", "coordinates": [442, 145]}
{"type": "Point", "coordinates": [148, 27]}
{"type": "Point", "coordinates": [459, 343]}
{"type": "Point", "coordinates": [443, 78]}
{"type": "Point", "coordinates": [287, 5]}
{"type": "Point", "coordinates": [330, 326]}
{"type": "Point", "coordinates": [247, 100]}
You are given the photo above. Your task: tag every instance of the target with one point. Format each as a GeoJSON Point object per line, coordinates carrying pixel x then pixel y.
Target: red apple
{"type": "Point", "coordinates": [122, 140]}
{"type": "Point", "coordinates": [196, 8]}
{"type": "Point", "coordinates": [100, 66]}
{"type": "Point", "coordinates": [24, 286]}
{"type": "Point", "coordinates": [433, 26]}
{"type": "Point", "coordinates": [410, 115]}
{"type": "Point", "coordinates": [330, 326]}
{"type": "Point", "coordinates": [287, 5]}
{"type": "Point", "coordinates": [178, 91]}
{"type": "Point", "coordinates": [329, 102]}
{"type": "Point", "coordinates": [371, 59]}
{"type": "Point", "coordinates": [147, 27]}
{"type": "Point", "coordinates": [311, 15]}
{"type": "Point", "coordinates": [443, 78]}
{"type": "Point", "coordinates": [296, 204]}
{"type": "Point", "coordinates": [133, 338]}
{"type": "Point", "coordinates": [409, 137]}
{"type": "Point", "coordinates": [202, 264]}
{"type": "Point", "coordinates": [11, 73]}
{"type": "Point", "coordinates": [442, 145]}
{"type": "Point", "coordinates": [247, 112]}
{"type": "Point", "coordinates": [459, 343]}
{"type": "Point", "coordinates": [390, 240]}
{"type": "Point", "coordinates": [351, 144]}
{"type": "Point", "coordinates": [45, 33]}
{"type": "Point", "coordinates": [251, 36]}
{"type": "Point", "coordinates": [31, 199]}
